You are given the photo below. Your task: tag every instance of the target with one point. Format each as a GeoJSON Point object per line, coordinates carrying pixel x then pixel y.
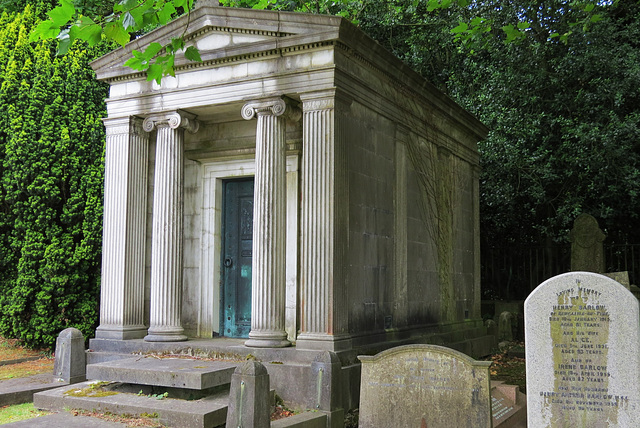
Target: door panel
{"type": "Point", "coordinates": [237, 237]}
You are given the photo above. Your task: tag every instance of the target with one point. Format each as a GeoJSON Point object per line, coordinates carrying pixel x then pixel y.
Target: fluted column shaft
{"type": "Point", "coordinates": [268, 281]}
{"type": "Point", "coordinates": [323, 218]}
{"type": "Point", "coordinates": [124, 227]}
{"type": "Point", "coordinates": [165, 316]}
{"type": "Point", "coordinates": [317, 217]}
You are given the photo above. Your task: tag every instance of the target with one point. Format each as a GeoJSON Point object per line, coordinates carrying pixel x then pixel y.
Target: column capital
{"type": "Point", "coordinates": [122, 125]}
{"type": "Point", "coordinates": [172, 119]}
{"type": "Point", "coordinates": [327, 99]}
{"type": "Point", "coordinates": [276, 106]}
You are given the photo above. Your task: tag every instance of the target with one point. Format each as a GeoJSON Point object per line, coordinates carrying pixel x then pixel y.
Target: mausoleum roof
{"type": "Point", "coordinates": [227, 36]}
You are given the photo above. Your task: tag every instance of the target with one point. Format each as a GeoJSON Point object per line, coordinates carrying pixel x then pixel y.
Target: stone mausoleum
{"type": "Point", "coordinates": [300, 190]}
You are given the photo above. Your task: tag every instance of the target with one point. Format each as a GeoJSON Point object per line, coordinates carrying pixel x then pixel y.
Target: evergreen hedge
{"type": "Point", "coordinates": [51, 184]}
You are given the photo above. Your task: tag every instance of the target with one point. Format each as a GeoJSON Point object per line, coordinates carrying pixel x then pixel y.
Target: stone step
{"type": "Point", "coordinates": [166, 372]}
{"type": "Point", "coordinates": [102, 357]}
{"type": "Point", "coordinates": [206, 412]}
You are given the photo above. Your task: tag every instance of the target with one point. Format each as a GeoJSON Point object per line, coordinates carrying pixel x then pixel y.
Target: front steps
{"type": "Point", "coordinates": [206, 412]}
{"type": "Point", "coordinates": [168, 372]}
{"type": "Point", "coordinates": [198, 390]}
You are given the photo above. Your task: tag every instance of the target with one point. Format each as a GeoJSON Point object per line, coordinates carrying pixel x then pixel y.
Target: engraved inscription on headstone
{"type": "Point", "coordinates": [582, 345]}
{"type": "Point", "coordinates": [424, 385]}
{"type": "Point", "coordinates": [500, 408]}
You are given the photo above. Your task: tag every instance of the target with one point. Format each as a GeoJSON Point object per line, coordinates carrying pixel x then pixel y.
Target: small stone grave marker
{"type": "Point", "coordinates": [587, 251]}
{"type": "Point", "coordinates": [582, 353]}
{"type": "Point", "coordinates": [508, 405]}
{"type": "Point", "coordinates": [424, 386]}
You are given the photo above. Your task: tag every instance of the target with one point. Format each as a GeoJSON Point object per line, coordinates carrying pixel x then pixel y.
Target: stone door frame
{"type": "Point", "coordinates": [213, 174]}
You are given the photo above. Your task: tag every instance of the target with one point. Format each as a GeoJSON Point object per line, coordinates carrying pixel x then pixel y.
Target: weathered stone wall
{"type": "Point", "coordinates": [422, 270]}
{"type": "Point", "coordinates": [371, 180]}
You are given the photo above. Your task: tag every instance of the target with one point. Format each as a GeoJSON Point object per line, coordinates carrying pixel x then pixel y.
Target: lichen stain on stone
{"type": "Point", "coordinates": [570, 338]}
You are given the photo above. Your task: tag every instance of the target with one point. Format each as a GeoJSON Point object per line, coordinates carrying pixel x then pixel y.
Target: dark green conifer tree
{"type": "Point", "coordinates": [51, 179]}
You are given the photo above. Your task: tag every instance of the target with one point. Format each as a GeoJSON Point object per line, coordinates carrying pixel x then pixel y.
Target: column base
{"type": "Point", "coordinates": [175, 334]}
{"type": "Point", "coordinates": [116, 332]}
{"type": "Point", "coordinates": [324, 342]}
{"type": "Point", "coordinates": [267, 340]}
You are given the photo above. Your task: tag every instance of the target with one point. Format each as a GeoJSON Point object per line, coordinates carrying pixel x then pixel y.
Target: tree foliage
{"type": "Point", "coordinates": [69, 22]}
{"type": "Point", "coordinates": [51, 177]}
{"type": "Point", "coordinates": [560, 97]}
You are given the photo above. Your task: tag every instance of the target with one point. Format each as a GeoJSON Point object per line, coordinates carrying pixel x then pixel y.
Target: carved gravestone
{"type": "Point", "coordinates": [582, 353]}
{"type": "Point", "coordinates": [587, 250]}
{"type": "Point", "coordinates": [424, 385]}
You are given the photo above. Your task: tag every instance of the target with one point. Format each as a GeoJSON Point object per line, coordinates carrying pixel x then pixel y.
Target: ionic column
{"type": "Point", "coordinates": [166, 249]}
{"type": "Point", "coordinates": [268, 299]}
{"type": "Point", "coordinates": [124, 228]}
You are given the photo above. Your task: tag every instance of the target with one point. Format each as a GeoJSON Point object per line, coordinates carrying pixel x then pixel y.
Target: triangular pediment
{"type": "Point", "coordinates": [222, 32]}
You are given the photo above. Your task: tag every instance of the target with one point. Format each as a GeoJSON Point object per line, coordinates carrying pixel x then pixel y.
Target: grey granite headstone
{"type": "Point", "coordinates": [424, 385]}
{"type": "Point", "coordinates": [587, 250]}
{"type": "Point", "coordinates": [582, 353]}
{"type": "Point", "coordinates": [249, 403]}
{"type": "Point", "coordinates": [70, 364]}
{"type": "Point", "coordinates": [506, 324]}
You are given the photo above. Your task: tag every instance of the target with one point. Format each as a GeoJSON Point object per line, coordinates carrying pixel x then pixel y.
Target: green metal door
{"type": "Point", "coordinates": [237, 242]}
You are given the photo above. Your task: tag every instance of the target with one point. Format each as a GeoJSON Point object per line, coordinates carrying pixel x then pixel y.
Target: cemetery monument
{"type": "Point", "coordinates": [300, 189]}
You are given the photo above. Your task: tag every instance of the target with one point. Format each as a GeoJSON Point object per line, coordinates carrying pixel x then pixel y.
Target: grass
{"type": "Point", "coordinates": [10, 349]}
{"type": "Point", "coordinates": [28, 368]}
{"type": "Point", "coordinates": [19, 412]}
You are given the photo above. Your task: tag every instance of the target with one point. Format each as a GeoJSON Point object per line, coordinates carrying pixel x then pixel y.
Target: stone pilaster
{"type": "Point", "coordinates": [268, 298]}
{"type": "Point", "coordinates": [124, 227]}
{"type": "Point", "coordinates": [166, 250]}
{"type": "Point", "coordinates": [400, 235]}
{"type": "Point", "coordinates": [477, 266]}
{"type": "Point", "coordinates": [324, 217]}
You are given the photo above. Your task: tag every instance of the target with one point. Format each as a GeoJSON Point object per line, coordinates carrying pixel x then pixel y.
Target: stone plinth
{"type": "Point", "coordinates": [70, 363]}
{"type": "Point", "coordinates": [249, 404]}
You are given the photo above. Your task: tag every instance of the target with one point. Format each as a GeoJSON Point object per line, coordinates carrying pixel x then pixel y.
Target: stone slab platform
{"type": "Point", "coordinates": [21, 390]}
{"type": "Point", "coordinates": [65, 420]}
{"type": "Point", "coordinates": [204, 413]}
{"type": "Point", "coordinates": [167, 372]}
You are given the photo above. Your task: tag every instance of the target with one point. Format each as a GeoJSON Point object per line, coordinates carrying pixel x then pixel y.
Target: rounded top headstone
{"type": "Point", "coordinates": [586, 231]}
